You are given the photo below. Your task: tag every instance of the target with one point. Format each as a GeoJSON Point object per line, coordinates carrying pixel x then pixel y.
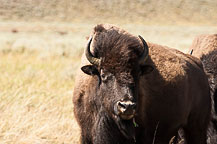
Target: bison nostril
{"type": "Point", "coordinates": [122, 105]}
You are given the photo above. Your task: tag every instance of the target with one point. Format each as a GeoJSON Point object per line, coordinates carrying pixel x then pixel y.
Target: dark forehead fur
{"type": "Point", "coordinates": [118, 50]}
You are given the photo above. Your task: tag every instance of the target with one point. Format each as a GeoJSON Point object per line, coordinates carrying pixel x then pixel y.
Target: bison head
{"type": "Point", "coordinates": [118, 63]}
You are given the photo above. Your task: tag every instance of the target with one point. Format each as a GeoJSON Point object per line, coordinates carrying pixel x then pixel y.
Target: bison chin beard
{"type": "Point", "coordinates": [126, 127]}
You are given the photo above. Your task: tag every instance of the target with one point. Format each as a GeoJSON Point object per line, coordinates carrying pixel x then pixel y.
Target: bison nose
{"type": "Point", "coordinates": [126, 109]}
{"type": "Point", "coordinates": [126, 106]}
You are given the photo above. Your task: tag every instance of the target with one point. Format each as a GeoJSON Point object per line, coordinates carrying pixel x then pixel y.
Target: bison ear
{"type": "Point", "coordinates": [145, 69]}
{"type": "Point", "coordinates": [90, 70]}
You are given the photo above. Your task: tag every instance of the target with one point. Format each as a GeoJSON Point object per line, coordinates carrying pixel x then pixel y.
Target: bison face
{"type": "Point", "coordinates": [117, 97]}
{"type": "Point", "coordinates": [118, 90]}
{"type": "Point", "coordinates": [118, 87]}
{"type": "Point", "coordinates": [119, 100]}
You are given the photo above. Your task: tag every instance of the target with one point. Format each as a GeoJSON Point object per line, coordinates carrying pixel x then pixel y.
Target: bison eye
{"type": "Point", "coordinates": [104, 77]}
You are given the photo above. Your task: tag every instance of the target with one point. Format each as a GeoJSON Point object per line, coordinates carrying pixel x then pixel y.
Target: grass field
{"type": "Point", "coordinates": [39, 58]}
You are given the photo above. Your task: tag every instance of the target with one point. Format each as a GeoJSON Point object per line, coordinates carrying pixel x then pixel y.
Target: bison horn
{"type": "Point", "coordinates": [89, 56]}
{"type": "Point", "coordinates": [144, 55]}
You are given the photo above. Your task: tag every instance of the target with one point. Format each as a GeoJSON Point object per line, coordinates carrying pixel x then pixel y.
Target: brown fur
{"type": "Point", "coordinates": [171, 95]}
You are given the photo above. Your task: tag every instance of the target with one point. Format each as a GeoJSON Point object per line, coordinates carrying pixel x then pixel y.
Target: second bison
{"type": "Point", "coordinates": [204, 47]}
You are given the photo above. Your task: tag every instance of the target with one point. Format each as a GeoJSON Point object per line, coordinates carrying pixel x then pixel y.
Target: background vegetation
{"type": "Point", "coordinates": [41, 42]}
{"type": "Point", "coordinates": [138, 11]}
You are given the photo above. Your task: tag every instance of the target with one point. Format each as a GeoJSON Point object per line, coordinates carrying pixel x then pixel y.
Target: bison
{"type": "Point", "coordinates": [204, 47]}
{"type": "Point", "coordinates": [130, 91]}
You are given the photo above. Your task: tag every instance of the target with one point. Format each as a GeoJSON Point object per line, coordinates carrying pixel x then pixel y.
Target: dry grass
{"type": "Point", "coordinates": [36, 98]}
{"type": "Point", "coordinates": [121, 11]}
